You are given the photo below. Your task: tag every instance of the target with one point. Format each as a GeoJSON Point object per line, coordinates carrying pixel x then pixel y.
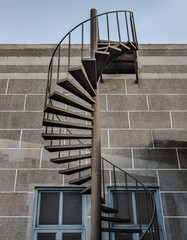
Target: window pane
{"type": "Point", "coordinates": [122, 236]}
{"type": "Point", "coordinates": [144, 207]}
{"type": "Point", "coordinates": [121, 200]}
{"type": "Point", "coordinates": [46, 236]}
{"type": "Point", "coordinates": [49, 208]}
{"type": "Point", "coordinates": [72, 208]}
{"type": "Point", "coordinates": [71, 236]}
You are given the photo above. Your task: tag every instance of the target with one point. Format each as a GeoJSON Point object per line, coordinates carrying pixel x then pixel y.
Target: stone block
{"type": "Point", "coordinates": [35, 102]}
{"type": "Point", "coordinates": [16, 204]}
{"type": "Point", "coordinates": [7, 179]}
{"type": "Point", "coordinates": [103, 103]}
{"type": "Point", "coordinates": [112, 86]}
{"type": "Point", "coordinates": [168, 102]}
{"type": "Point", "coordinates": [163, 69]}
{"type": "Point", "coordinates": [104, 138]}
{"type": "Point", "coordinates": [9, 138]}
{"type": "Point", "coordinates": [130, 138]}
{"type": "Point", "coordinates": [3, 84]}
{"type": "Point", "coordinates": [15, 228]}
{"type": "Point", "coordinates": [11, 102]}
{"type": "Point", "coordinates": [170, 138]}
{"type": "Point", "coordinates": [174, 180]}
{"type": "Point", "coordinates": [150, 120]}
{"type": "Point", "coordinates": [127, 102]}
{"type": "Point", "coordinates": [174, 204]}
{"type": "Point", "coordinates": [155, 158]}
{"type": "Point", "coordinates": [33, 139]}
{"type": "Point", "coordinates": [157, 86]}
{"type": "Point", "coordinates": [19, 158]}
{"type": "Point", "coordinates": [183, 157]}
{"type": "Point", "coordinates": [27, 180]}
{"type": "Point", "coordinates": [24, 86]}
{"type": "Point", "coordinates": [179, 119]}
{"type": "Point", "coordinates": [120, 157]}
{"type": "Point", "coordinates": [114, 120]}
{"type": "Point", "coordinates": [20, 120]}
{"type": "Point", "coordinates": [176, 228]}
{"type": "Point", "coordinates": [162, 52]}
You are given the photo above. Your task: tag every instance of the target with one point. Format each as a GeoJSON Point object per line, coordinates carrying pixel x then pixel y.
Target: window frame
{"type": "Point", "coordinates": [156, 193]}
{"type": "Point", "coordinates": [60, 228]}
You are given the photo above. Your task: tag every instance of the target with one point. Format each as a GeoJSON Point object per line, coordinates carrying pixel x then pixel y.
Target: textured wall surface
{"type": "Point", "coordinates": [143, 131]}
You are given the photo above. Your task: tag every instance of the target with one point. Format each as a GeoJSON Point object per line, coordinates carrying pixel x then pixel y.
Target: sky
{"type": "Point", "coordinates": [47, 21]}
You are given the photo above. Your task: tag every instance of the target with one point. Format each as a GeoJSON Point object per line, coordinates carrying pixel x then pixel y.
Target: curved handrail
{"type": "Point", "coordinates": [133, 32]}
{"type": "Point", "coordinates": [144, 187]}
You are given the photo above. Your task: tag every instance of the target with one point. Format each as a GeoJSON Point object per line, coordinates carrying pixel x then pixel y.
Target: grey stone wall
{"type": "Point", "coordinates": [143, 131]}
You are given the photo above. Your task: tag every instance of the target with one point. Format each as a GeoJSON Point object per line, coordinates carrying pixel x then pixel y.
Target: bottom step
{"type": "Point", "coordinates": [121, 230]}
{"type": "Point", "coordinates": [113, 219]}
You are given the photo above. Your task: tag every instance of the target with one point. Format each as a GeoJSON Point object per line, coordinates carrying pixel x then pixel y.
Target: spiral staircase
{"type": "Point", "coordinates": [72, 102]}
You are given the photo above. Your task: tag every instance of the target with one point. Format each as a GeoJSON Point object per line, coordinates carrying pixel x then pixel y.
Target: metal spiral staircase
{"type": "Point", "coordinates": [72, 102]}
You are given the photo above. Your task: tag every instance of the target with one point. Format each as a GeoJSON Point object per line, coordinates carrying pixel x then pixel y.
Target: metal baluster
{"type": "Point", "coordinates": [58, 69]}
{"type": "Point", "coordinates": [108, 29]}
{"type": "Point", "coordinates": [127, 194]}
{"type": "Point", "coordinates": [127, 27]}
{"type": "Point", "coordinates": [69, 50]}
{"type": "Point", "coordinates": [51, 76]}
{"type": "Point", "coordinates": [102, 162]}
{"type": "Point", "coordinates": [115, 187]}
{"type": "Point", "coordinates": [59, 142]}
{"type": "Point", "coordinates": [132, 29]}
{"type": "Point", "coordinates": [82, 41]}
{"type": "Point", "coordinates": [138, 203]}
{"type": "Point", "coordinates": [79, 163]}
{"type": "Point", "coordinates": [69, 141]}
{"type": "Point", "coordinates": [118, 27]}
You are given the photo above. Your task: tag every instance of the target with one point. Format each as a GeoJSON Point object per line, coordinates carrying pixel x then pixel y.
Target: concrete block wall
{"type": "Point", "coordinates": [143, 131]}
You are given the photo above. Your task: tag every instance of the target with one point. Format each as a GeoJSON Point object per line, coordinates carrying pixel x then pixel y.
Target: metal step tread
{"type": "Point", "coordinates": [87, 190]}
{"type": "Point", "coordinates": [82, 79]}
{"type": "Point", "coordinates": [108, 209]}
{"type": "Point", "coordinates": [115, 219]}
{"type": "Point", "coordinates": [70, 158]}
{"type": "Point", "coordinates": [73, 88]}
{"type": "Point", "coordinates": [75, 169]}
{"type": "Point", "coordinates": [121, 230]}
{"type": "Point", "coordinates": [57, 96]}
{"type": "Point", "coordinates": [90, 69]}
{"type": "Point", "coordinates": [81, 180]}
{"type": "Point", "coordinates": [56, 148]}
{"type": "Point", "coordinates": [50, 136]}
{"type": "Point", "coordinates": [67, 113]}
{"type": "Point", "coordinates": [56, 123]}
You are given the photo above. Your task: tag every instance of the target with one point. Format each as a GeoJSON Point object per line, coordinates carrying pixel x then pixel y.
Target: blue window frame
{"type": "Point", "coordinates": [131, 212]}
{"type": "Point", "coordinates": [59, 214]}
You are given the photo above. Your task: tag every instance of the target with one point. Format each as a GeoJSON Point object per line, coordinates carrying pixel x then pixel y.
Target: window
{"type": "Point", "coordinates": [60, 214]}
{"type": "Point", "coordinates": [132, 206]}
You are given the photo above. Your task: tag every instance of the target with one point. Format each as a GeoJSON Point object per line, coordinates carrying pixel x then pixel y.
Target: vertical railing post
{"type": "Point", "coordinates": [96, 147]}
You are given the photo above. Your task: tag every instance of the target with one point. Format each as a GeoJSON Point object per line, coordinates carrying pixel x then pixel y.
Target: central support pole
{"type": "Point", "coordinates": [96, 147]}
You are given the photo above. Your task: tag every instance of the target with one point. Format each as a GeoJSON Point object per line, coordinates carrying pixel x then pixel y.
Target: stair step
{"type": "Point", "coordinates": [101, 58]}
{"type": "Point", "coordinates": [124, 48]}
{"type": "Point", "coordinates": [57, 148]}
{"type": "Point", "coordinates": [70, 158]}
{"type": "Point", "coordinates": [114, 52]}
{"type": "Point", "coordinates": [91, 71]}
{"type": "Point", "coordinates": [56, 123]}
{"type": "Point", "coordinates": [71, 87]}
{"type": "Point", "coordinates": [79, 181]}
{"type": "Point", "coordinates": [121, 230]}
{"type": "Point", "coordinates": [54, 136]}
{"type": "Point", "coordinates": [67, 113]}
{"type": "Point", "coordinates": [108, 209]}
{"type": "Point", "coordinates": [57, 96]}
{"type": "Point", "coordinates": [82, 79]}
{"type": "Point", "coordinates": [86, 190]}
{"type": "Point", "coordinates": [114, 219]}
{"type": "Point", "coordinates": [75, 169]}
{"type": "Point", "coordinates": [131, 46]}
